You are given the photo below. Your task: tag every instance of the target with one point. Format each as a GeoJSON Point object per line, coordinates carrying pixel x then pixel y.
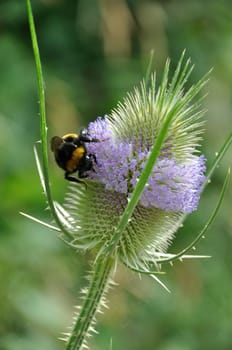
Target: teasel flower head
{"type": "Point", "coordinates": [127, 136]}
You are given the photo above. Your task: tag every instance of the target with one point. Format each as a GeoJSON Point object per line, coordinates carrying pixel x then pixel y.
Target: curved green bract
{"type": "Point", "coordinates": [205, 228]}
{"type": "Point", "coordinates": [217, 159]}
{"type": "Point", "coordinates": [44, 173]}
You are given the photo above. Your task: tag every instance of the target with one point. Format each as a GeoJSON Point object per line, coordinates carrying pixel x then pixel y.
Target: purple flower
{"type": "Point", "coordinates": [175, 185]}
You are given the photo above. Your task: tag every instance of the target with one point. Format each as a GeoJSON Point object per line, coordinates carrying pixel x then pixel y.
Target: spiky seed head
{"type": "Point", "coordinates": [174, 187]}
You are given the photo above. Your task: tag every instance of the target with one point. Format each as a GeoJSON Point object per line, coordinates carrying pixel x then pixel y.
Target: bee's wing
{"type": "Point", "coordinates": [56, 141]}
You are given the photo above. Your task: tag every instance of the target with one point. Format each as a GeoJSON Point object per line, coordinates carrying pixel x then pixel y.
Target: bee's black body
{"type": "Point", "coordinates": [71, 154]}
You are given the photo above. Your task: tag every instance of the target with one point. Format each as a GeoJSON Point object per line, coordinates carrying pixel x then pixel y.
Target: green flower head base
{"type": "Point", "coordinates": [173, 189]}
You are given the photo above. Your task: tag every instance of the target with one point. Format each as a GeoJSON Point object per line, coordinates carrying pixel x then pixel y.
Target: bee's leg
{"type": "Point", "coordinates": [74, 179]}
{"type": "Point", "coordinates": [82, 175]}
{"type": "Point", "coordinates": [92, 156]}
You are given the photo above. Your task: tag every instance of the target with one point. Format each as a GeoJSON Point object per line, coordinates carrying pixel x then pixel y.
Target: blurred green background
{"type": "Point", "coordinates": [93, 52]}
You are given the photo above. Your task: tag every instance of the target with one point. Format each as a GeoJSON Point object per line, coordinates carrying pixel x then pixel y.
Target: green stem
{"type": "Point", "coordinates": [43, 124]}
{"type": "Point", "coordinates": [91, 304]}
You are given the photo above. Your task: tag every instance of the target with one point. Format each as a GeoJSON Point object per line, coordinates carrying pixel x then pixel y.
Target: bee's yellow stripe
{"type": "Point", "coordinates": [69, 135]}
{"type": "Point", "coordinates": [72, 164]}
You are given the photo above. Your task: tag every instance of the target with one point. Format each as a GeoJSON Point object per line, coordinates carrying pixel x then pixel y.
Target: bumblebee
{"type": "Point", "coordinates": [71, 154]}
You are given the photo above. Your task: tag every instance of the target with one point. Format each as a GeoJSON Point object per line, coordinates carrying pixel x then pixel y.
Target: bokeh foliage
{"type": "Point", "coordinates": [92, 53]}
